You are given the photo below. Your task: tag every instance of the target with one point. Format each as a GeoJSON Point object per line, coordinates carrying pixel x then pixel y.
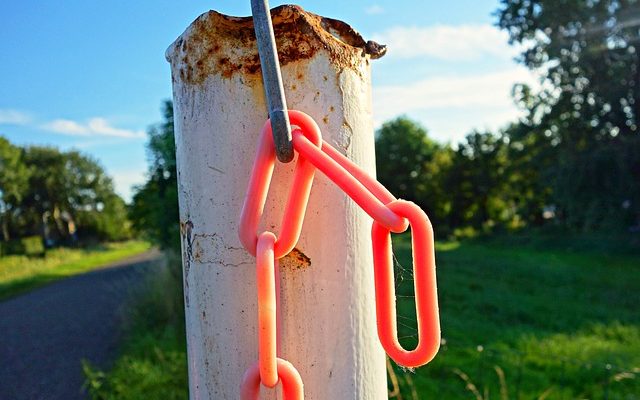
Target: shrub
{"type": "Point", "coordinates": [29, 246]}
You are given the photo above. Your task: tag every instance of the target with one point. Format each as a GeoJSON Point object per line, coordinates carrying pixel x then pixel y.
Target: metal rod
{"type": "Point", "coordinates": [272, 78]}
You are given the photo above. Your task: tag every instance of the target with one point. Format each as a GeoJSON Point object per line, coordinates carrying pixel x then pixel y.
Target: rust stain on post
{"type": "Point", "coordinates": [295, 260]}
{"type": "Point", "coordinates": [220, 44]}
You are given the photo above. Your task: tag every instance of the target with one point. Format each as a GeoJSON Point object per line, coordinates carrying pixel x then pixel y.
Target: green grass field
{"type": "Point", "coordinates": [519, 322]}
{"type": "Point", "coordinates": [548, 323]}
{"type": "Point", "coordinates": [22, 273]}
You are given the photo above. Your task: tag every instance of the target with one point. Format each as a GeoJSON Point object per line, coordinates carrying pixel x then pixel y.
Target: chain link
{"type": "Point", "coordinates": [260, 180]}
{"type": "Point", "coordinates": [292, 388]}
{"type": "Point", "coordinates": [266, 283]}
{"type": "Point", "coordinates": [389, 215]}
{"type": "Point", "coordinates": [424, 280]}
{"type": "Point", "coordinates": [349, 183]}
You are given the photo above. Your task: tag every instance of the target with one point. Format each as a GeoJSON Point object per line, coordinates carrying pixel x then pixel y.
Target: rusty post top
{"type": "Point", "coordinates": [220, 44]}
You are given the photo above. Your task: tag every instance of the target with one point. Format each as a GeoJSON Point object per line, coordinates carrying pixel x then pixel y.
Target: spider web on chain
{"type": "Point", "coordinates": [405, 299]}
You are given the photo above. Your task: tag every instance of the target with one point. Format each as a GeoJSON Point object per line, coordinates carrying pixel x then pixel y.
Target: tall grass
{"type": "Point", "coordinates": [152, 363]}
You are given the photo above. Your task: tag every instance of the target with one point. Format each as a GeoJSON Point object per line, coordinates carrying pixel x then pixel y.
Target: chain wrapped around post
{"type": "Point", "coordinates": [389, 215]}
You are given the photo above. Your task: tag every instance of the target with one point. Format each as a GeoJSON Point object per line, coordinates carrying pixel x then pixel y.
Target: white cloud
{"type": "Point", "coordinates": [66, 127]}
{"type": "Point", "coordinates": [93, 127]}
{"type": "Point", "coordinates": [374, 9]}
{"type": "Point", "coordinates": [447, 42]}
{"type": "Point", "coordinates": [124, 181]}
{"type": "Point", "coordinates": [453, 105]}
{"type": "Point", "coordinates": [14, 117]}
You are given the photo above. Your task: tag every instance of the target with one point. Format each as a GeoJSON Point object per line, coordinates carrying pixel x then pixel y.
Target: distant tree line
{"type": "Point", "coordinates": [580, 140]}
{"type": "Point", "coordinates": [572, 161]}
{"type": "Point", "coordinates": [63, 196]}
{"type": "Point", "coordinates": [469, 186]}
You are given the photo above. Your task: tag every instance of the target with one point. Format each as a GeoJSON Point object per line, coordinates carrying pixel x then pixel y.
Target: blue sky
{"type": "Point", "coordinates": [91, 75]}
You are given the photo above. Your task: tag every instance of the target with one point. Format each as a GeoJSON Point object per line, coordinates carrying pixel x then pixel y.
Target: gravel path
{"type": "Point", "coordinates": [44, 334]}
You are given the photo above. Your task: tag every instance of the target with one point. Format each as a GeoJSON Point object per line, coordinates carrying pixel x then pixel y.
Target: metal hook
{"type": "Point", "coordinates": [272, 78]}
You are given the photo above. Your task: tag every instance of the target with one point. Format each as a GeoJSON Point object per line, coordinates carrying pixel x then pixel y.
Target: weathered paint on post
{"type": "Point", "coordinates": [327, 310]}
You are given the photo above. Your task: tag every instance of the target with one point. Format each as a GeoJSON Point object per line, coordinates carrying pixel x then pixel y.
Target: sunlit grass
{"type": "Point", "coordinates": [556, 322]}
{"type": "Point", "coordinates": [153, 367]}
{"type": "Point", "coordinates": [153, 361]}
{"type": "Point", "coordinates": [21, 273]}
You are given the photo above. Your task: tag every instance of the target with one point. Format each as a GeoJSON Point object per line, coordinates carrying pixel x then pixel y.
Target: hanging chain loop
{"type": "Point", "coordinates": [389, 215]}
{"type": "Point", "coordinates": [424, 280]}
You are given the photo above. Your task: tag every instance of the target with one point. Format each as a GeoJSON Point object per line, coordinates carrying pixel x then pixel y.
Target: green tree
{"type": "Point", "coordinates": [529, 171]}
{"type": "Point", "coordinates": [411, 166]}
{"type": "Point", "coordinates": [14, 177]}
{"type": "Point", "coordinates": [582, 124]}
{"type": "Point", "coordinates": [475, 185]}
{"type": "Point", "coordinates": [471, 181]}
{"type": "Point", "coordinates": [479, 183]}
{"type": "Point", "coordinates": [98, 210]}
{"type": "Point", "coordinates": [69, 194]}
{"type": "Point", "coordinates": [155, 204]}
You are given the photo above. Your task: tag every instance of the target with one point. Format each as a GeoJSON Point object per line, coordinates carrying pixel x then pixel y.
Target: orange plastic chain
{"type": "Point", "coordinates": [389, 215]}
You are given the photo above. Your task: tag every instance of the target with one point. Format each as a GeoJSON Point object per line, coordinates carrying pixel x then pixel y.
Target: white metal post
{"type": "Point", "coordinates": [328, 328]}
